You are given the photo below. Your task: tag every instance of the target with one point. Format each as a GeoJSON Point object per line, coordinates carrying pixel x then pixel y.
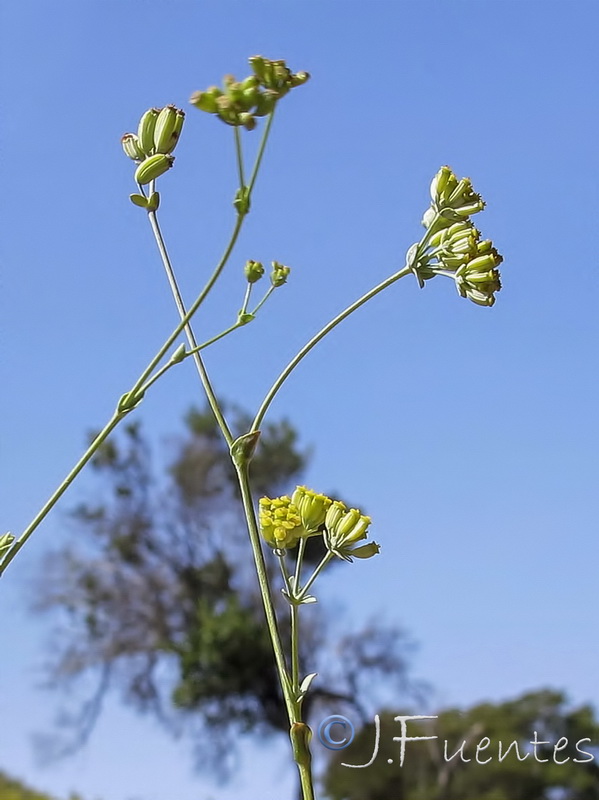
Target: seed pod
{"type": "Point", "coordinates": [153, 167]}
{"type": "Point", "coordinates": [168, 127]}
{"type": "Point", "coordinates": [131, 147]}
{"type": "Point", "coordinates": [145, 132]}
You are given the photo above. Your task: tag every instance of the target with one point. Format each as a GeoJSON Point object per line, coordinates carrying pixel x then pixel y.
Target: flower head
{"type": "Point", "coordinates": [280, 522]}
{"type": "Point", "coordinates": [238, 103]}
{"type": "Point", "coordinates": [343, 528]}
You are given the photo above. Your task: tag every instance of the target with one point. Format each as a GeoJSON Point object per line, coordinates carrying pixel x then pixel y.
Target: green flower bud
{"type": "Point", "coordinates": [251, 82]}
{"type": "Point", "coordinates": [312, 507]}
{"type": "Point", "coordinates": [348, 528]}
{"type": "Point", "coordinates": [253, 270]}
{"type": "Point", "coordinates": [347, 523]}
{"type": "Point", "coordinates": [299, 78]}
{"type": "Point", "coordinates": [226, 110]}
{"type": "Point", "coordinates": [258, 64]}
{"type": "Point", "coordinates": [485, 246]}
{"type": "Point", "coordinates": [484, 262]}
{"type": "Point", "coordinates": [153, 167]}
{"type": "Point", "coordinates": [471, 208]}
{"type": "Point", "coordinates": [439, 183]}
{"type": "Point", "coordinates": [132, 147]}
{"type": "Point", "coordinates": [336, 510]}
{"type": "Point", "coordinates": [280, 523]}
{"type": "Point", "coordinates": [279, 274]}
{"type": "Point", "coordinates": [478, 280]}
{"type": "Point", "coordinates": [206, 101]}
{"type": "Point", "coordinates": [247, 120]}
{"type": "Point", "coordinates": [145, 132]}
{"type": "Point", "coordinates": [265, 103]}
{"type": "Point", "coordinates": [168, 129]}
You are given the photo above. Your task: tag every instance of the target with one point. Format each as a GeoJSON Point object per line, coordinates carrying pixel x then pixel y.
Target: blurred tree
{"type": "Point", "coordinates": [158, 597]}
{"type": "Point", "coordinates": [429, 774]}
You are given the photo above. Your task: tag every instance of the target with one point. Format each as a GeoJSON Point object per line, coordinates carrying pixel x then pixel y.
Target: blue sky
{"type": "Point", "coordinates": [469, 434]}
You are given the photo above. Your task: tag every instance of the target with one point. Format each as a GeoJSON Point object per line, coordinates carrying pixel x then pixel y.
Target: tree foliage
{"type": "Point", "coordinates": [157, 595]}
{"type": "Point", "coordinates": [429, 772]}
{"type": "Point", "coordinates": [12, 789]}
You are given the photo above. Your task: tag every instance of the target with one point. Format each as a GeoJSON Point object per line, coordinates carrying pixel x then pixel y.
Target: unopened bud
{"type": "Point", "coordinates": [153, 167]}
{"type": "Point", "coordinates": [253, 270]}
{"type": "Point", "coordinates": [299, 78]}
{"type": "Point", "coordinates": [439, 183]}
{"type": "Point", "coordinates": [279, 274]}
{"type": "Point", "coordinates": [145, 132]}
{"type": "Point", "coordinates": [206, 101]}
{"type": "Point", "coordinates": [168, 129]}
{"type": "Point", "coordinates": [265, 103]}
{"type": "Point", "coordinates": [247, 120]}
{"type": "Point", "coordinates": [312, 507]}
{"type": "Point", "coordinates": [132, 148]}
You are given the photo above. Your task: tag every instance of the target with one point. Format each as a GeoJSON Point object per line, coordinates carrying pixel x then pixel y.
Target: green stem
{"type": "Point", "coordinates": [261, 149]}
{"type": "Point", "coordinates": [246, 298]}
{"type": "Point", "coordinates": [324, 561]}
{"type": "Point", "coordinates": [184, 315]}
{"type": "Point", "coordinates": [159, 373]}
{"type": "Point", "coordinates": [239, 154]}
{"type": "Point", "coordinates": [91, 450]}
{"type": "Point", "coordinates": [267, 602]}
{"type": "Point", "coordinates": [300, 745]}
{"type": "Point", "coordinates": [147, 372]}
{"type": "Point", "coordinates": [295, 648]}
{"type": "Point", "coordinates": [315, 339]}
{"type": "Point", "coordinates": [264, 299]}
{"type": "Point", "coordinates": [285, 572]}
{"type": "Point", "coordinates": [301, 549]}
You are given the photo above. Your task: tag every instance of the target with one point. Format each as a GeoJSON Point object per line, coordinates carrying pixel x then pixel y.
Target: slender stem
{"type": "Point", "coordinates": [301, 755]}
{"type": "Point", "coordinates": [239, 154]}
{"type": "Point", "coordinates": [91, 450]}
{"type": "Point", "coordinates": [147, 372]}
{"type": "Point", "coordinates": [324, 561]}
{"type": "Point", "coordinates": [261, 149]}
{"type": "Point", "coordinates": [216, 410]}
{"type": "Point", "coordinates": [246, 298]}
{"type": "Point", "coordinates": [165, 368]}
{"type": "Point", "coordinates": [301, 549]}
{"type": "Point", "coordinates": [264, 299]}
{"type": "Point", "coordinates": [269, 609]}
{"type": "Point", "coordinates": [315, 339]}
{"type": "Point", "coordinates": [217, 338]}
{"type": "Point", "coordinates": [285, 572]}
{"type": "Point", "coordinates": [295, 648]}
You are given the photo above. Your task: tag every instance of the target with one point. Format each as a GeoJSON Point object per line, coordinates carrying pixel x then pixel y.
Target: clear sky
{"type": "Point", "coordinates": [469, 434]}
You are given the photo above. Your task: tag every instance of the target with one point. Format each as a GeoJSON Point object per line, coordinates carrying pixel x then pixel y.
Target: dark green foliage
{"type": "Point", "coordinates": [427, 775]}
{"type": "Point", "coordinates": [12, 789]}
